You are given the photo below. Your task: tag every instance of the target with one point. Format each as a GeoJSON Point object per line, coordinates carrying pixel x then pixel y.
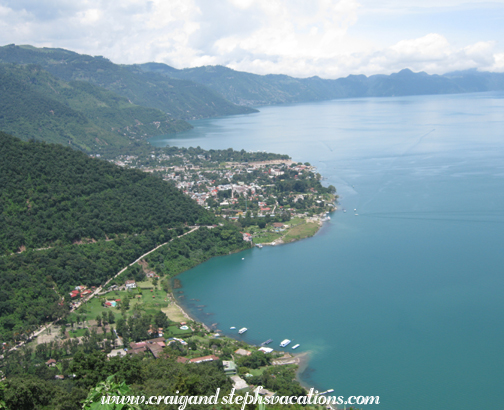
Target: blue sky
{"type": "Point", "coordinates": [328, 38]}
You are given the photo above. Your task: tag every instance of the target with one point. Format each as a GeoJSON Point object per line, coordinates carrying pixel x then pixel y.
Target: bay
{"type": "Point", "coordinates": [403, 301]}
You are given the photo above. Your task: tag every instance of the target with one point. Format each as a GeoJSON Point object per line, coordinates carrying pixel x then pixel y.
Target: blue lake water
{"type": "Point", "coordinates": [404, 301]}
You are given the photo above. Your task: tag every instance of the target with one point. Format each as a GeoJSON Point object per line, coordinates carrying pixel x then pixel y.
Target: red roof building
{"type": "Point", "coordinates": [209, 358]}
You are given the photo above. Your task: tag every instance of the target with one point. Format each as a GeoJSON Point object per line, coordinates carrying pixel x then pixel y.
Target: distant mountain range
{"type": "Point", "coordinates": [91, 103]}
{"type": "Point", "coordinates": [255, 90]}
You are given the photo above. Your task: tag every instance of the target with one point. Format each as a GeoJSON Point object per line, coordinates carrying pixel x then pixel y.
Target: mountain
{"type": "Point", "coordinates": [35, 104]}
{"type": "Point", "coordinates": [181, 99]}
{"type": "Point", "coordinates": [252, 89]}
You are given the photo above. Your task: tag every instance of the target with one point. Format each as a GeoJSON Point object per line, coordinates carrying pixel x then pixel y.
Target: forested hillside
{"type": "Point", "coordinates": [50, 193]}
{"type": "Point", "coordinates": [75, 220]}
{"type": "Point", "coordinates": [35, 104]}
{"type": "Point", "coordinates": [181, 99]}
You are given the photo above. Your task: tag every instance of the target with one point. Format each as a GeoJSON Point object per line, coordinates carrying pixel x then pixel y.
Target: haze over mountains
{"type": "Point", "coordinates": [252, 89]}
{"type": "Point", "coordinates": [91, 103]}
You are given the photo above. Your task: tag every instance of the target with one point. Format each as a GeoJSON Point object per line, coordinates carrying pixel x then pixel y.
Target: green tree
{"type": "Point", "coordinates": [111, 317]}
{"type": "Point", "coordinates": [109, 387]}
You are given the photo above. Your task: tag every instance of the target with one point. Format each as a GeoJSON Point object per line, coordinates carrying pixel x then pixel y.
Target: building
{"type": "Point", "coordinates": [229, 367]}
{"type": "Point", "coordinates": [209, 358]}
{"type": "Point", "coordinates": [243, 352]}
{"type": "Point", "coordinates": [130, 284]}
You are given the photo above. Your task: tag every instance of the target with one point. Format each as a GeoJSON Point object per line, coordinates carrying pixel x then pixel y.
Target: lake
{"type": "Point", "coordinates": [404, 300]}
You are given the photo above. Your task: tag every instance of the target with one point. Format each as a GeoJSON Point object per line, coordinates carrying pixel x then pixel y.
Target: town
{"type": "Point", "coordinates": [269, 196]}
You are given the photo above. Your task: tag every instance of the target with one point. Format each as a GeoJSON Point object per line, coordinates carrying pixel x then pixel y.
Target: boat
{"type": "Point", "coordinates": [242, 330]}
{"type": "Point", "coordinates": [295, 346]}
{"type": "Point", "coordinates": [285, 342]}
{"type": "Point", "coordinates": [259, 245]}
{"type": "Point", "coordinates": [243, 259]}
{"type": "Point", "coordinates": [232, 327]}
{"type": "Point", "coordinates": [267, 342]}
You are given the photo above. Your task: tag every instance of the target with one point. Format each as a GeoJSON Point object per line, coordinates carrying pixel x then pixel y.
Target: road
{"type": "Point", "coordinates": [100, 288]}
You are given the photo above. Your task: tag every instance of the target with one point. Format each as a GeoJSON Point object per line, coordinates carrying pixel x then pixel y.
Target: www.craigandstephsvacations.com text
{"type": "Point", "coordinates": [311, 398]}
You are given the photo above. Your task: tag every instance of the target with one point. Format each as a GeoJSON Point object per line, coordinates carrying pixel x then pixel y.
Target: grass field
{"type": "Point", "coordinates": [174, 313]}
{"type": "Point", "coordinates": [301, 231]}
{"type": "Point", "coordinates": [267, 237]}
{"type": "Point", "coordinates": [149, 302]}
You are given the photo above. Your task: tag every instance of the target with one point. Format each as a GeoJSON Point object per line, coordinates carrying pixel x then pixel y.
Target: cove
{"type": "Point", "coordinates": [404, 300]}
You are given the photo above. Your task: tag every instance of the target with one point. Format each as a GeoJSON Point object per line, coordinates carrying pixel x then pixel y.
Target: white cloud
{"type": "Point", "coordinates": [295, 37]}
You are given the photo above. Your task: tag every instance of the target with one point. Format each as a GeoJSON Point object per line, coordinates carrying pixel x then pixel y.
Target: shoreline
{"type": "Point", "coordinates": [318, 219]}
{"type": "Point", "coordinates": [302, 359]}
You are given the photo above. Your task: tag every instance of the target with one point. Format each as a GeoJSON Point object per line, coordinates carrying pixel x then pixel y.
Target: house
{"type": "Point", "coordinates": [130, 284]}
{"type": "Point", "coordinates": [51, 363]}
{"type": "Point", "coordinates": [238, 382]}
{"type": "Point", "coordinates": [137, 350]}
{"type": "Point", "coordinates": [229, 367]}
{"type": "Point", "coordinates": [182, 359]}
{"type": "Point", "coordinates": [209, 358]}
{"type": "Point", "coordinates": [59, 377]}
{"type": "Point", "coordinates": [243, 352]}
{"type": "Point", "coordinates": [278, 225]}
{"type": "Point", "coordinates": [155, 349]}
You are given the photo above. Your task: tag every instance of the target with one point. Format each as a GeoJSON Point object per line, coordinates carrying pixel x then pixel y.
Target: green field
{"type": "Point", "coordinates": [301, 231]}
{"type": "Point", "coordinates": [149, 302]}
{"type": "Point", "coordinates": [267, 237]}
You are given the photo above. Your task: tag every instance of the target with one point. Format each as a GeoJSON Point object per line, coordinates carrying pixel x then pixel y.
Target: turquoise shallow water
{"type": "Point", "coordinates": [403, 301]}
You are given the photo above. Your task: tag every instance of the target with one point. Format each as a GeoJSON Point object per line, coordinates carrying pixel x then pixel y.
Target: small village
{"type": "Point", "coordinates": [266, 198]}
{"type": "Point", "coordinates": [102, 320]}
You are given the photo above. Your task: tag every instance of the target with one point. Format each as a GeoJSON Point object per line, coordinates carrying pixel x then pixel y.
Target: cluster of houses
{"type": "Point", "coordinates": [81, 291]}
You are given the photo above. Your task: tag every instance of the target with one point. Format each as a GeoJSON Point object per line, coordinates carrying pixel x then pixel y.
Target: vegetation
{"type": "Point", "coordinates": [93, 218]}
{"type": "Point", "coordinates": [182, 99]}
{"type": "Point", "coordinates": [34, 104]}
{"type": "Point", "coordinates": [254, 90]}
{"type": "Point", "coordinates": [53, 195]}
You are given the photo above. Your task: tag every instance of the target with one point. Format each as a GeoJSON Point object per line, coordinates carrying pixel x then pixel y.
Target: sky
{"type": "Point", "coordinates": [301, 38]}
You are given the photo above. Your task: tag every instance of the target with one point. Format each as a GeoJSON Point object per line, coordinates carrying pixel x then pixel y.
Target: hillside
{"type": "Point", "coordinates": [50, 193]}
{"type": "Point", "coordinates": [252, 89]}
{"type": "Point", "coordinates": [181, 99]}
{"type": "Point", "coordinates": [75, 220]}
{"type": "Point", "coordinates": [35, 104]}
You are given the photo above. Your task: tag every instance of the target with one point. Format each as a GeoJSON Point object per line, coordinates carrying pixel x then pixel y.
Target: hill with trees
{"type": "Point", "coordinates": [35, 104]}
{"type": "Point", "coordinates": [181, 99]}
{"type": "Point", "coordinates": [252, 89]}
{"type": "Point", "coordinates": [67, 219]}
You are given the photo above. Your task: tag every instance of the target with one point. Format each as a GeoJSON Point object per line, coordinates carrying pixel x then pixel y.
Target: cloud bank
{"type": "Point", "coordinates": [328, 38]}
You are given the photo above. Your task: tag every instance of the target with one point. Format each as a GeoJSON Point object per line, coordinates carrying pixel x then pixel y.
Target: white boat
{"type": "Point", "coordinates": [242, 330]}
{"type": "Point", "coordinates": [232, 327]}
{"type": "Point", "coordinates": [295, 346]}
{"type": "Point", "coordinates": [285, 342]}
